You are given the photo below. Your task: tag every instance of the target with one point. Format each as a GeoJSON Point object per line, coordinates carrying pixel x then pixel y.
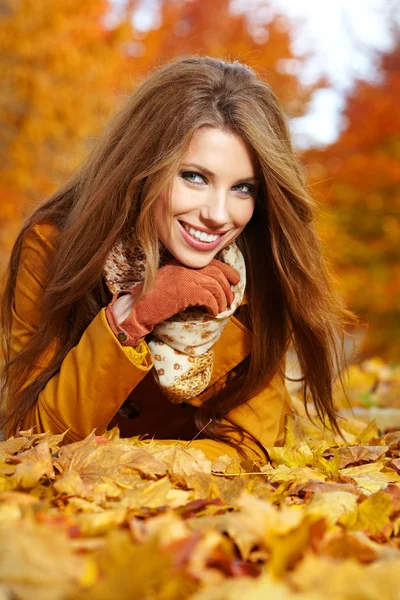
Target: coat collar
{"type": "Point", "coordinates": [232, 347]}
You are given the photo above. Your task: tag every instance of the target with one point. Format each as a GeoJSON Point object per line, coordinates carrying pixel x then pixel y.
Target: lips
{"type": "Point", "coordinates": [198, 244]}
{"type": "Point", "coordinates": [208, 231]}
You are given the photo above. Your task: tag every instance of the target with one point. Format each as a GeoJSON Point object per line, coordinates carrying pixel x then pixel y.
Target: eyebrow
{"type": "Point", "coordinates": [211, 174]}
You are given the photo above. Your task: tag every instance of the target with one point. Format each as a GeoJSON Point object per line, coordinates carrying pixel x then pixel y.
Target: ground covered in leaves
{"type": "Point", "coordinates": [128, 518]}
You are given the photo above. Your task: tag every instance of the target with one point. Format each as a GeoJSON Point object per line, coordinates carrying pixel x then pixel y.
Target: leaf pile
{"type": "Point", "coordinates": [126, 518]}
{"type": "Point", "coordinates": [371, 384]}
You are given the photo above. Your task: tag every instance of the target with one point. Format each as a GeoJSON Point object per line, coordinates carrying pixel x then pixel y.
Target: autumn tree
{"type": "Point", "coordinates": [65, 64]}
{"type": "Point", "coordinates": [59, 64]}
{"type": "Point", "coordinates": [358, 180]}
{"type": "Point", "coordinates": [212, 28]}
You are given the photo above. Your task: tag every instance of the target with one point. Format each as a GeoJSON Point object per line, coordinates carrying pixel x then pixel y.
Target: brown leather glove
{"type": "Point", "coordinates": [176, 288]}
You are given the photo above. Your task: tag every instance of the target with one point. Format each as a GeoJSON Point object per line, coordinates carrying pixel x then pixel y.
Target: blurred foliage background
{"type": "Point", "coordinates": [66, 65]}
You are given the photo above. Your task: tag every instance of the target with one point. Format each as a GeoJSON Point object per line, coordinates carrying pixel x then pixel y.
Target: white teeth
{"type": "Point", "coordinates": [200, 235]}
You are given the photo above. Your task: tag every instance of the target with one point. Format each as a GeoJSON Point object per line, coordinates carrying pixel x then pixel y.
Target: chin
{"type": "Point", "coordinates": [195, 261]}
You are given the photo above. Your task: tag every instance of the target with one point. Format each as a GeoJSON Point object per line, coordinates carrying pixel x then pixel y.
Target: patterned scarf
{"type": "Point", "coordinates": [181, 346]}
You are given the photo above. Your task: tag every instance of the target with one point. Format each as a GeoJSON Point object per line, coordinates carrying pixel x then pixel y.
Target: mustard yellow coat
{"type": "Point", "coordinates": [98, 375]}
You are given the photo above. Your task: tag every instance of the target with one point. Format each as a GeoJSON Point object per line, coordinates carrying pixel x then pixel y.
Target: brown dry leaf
{"type": "Point", "coordinates": [346, 579]}
{"type": "Point", "coordinates": [256, 521]}
{"type": "Point", "coordinates": [98, 523]}
{"type": "Point", "coordinates": [114, 434]}
{"type": "Point", "coordinates": [355, 544]}
{"type": "Point", "coordinates": [154, 494]}
{"type": "Point", "coordinates": [75, 504]}
{"type": "Point", "coordinates": [92, 460]}
{"type": "Point", "coordinates": [369, 477]}
{"type": "Point", "coordinates": [244, 537]}
{"type": "Point", "coordinates": [284, 532]}
{"type": "Point", "coordinates": [70, 484]}
{"type": "Point", "coordinates": [12, 445]}
{"type": "Point", "coordinates": [135, 571]}
{"type": "Point", "coordinates": [389, 439]}
{"type": "Point", "coordinates": [119, 502]}
{"type": "Point", "coordinates": [106, 492]}
{"type": "Point", "coordinates": [32, 465]}
{"type": "Point", "coordinates": [354, 454]}
{"type": "Point", "coordinates": [53, 440]}
{"type": "Point", "coordinates": [167, 528]}
{"type": "Point", "coordinates": [396, 463]}
{"type": "Point", "coordinates": [263, 588]}
{"type": "Point", "coordinates": [17, 498]}
{"type": "Point", "coordinates": [181, 462]}
{"type": "Point", "coordinates": [264, 517]}
{"type": "Point", "coordinates": [26, 439]}
{"type": "Point", "coordinates": [210, 559]}
{"type": "Point", "coordinates": [221, 464]}
{"type": "Point", "coordinates": [37, 562]}
{"type": "Point", "coordinates": [208, 487]}
{"type": "Point", "coordinates": [329, 486]}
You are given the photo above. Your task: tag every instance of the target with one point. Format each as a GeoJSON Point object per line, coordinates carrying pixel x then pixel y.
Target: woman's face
{"type": "Point", "coordinates": [214, 193]}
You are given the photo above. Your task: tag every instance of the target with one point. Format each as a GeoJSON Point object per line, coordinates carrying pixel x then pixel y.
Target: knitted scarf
{"type": "Point", "coordinates": [181, 346]}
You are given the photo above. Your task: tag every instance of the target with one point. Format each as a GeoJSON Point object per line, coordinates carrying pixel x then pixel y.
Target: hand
{"type": "Point", "coordinates": [176, 288]}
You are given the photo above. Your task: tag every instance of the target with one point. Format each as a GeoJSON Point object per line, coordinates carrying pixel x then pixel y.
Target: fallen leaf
{"type": "Point", "coordinates": [92, 460]}
{"type": "Point", "coordinates": [331, 505]}
{"type": "Point", "coordinates": [354, 454]}
{"type": "Point", "coordinates": [372, 516]}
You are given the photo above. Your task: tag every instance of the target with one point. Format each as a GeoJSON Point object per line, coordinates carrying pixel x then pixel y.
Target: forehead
{"type": "Point", "coordinates": [218, 151]}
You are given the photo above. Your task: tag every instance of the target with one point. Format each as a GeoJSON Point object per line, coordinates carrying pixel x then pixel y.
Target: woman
{"type": "Point", "coordinates": [160, 288]}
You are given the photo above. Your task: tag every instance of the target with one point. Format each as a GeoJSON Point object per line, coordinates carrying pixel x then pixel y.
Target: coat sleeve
{"type": "Point", "coordinates": [262, 416]}
{"type": "Point", "coordinates": [96, 375]}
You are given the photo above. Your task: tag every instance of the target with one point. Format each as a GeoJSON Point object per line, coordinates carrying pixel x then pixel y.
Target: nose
{"type": "Point", "coordinates": [215, 210]}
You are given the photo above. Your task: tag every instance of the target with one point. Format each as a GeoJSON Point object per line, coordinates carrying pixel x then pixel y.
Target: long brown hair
{"type": "Point", "coordinates": [290, 291]}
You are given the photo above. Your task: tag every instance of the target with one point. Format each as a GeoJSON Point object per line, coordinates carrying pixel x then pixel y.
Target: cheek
{"type": "Point", "coordinates": [183, 201]}
{"type": "Point", "coordinates": [178, 204]}
{"type": "Point", "coordinates": [245, 214]}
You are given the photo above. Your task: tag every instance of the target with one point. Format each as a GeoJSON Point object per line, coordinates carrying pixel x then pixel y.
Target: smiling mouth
{"type": "Point", "coordinates": [199, 235]}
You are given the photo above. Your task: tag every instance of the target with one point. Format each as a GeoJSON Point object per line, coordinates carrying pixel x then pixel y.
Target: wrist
{"type": "Point", "coordinates": [126, 329]}
{"type": "Point", "coordinates": [122, 308]}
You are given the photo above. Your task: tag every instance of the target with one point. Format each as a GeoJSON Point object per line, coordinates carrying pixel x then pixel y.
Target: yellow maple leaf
{"type": "Point", "coordinates": [91, 459]}
{"type": "Point", "coordinates": [372, 515]}
{"type": "Point", "coordinates": [331, 505]}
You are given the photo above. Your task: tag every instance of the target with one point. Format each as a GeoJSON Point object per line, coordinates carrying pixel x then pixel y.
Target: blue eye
{"type": "Point", "coordinates": [185, 175]}
{"type": "Point", "coordinates": [250, 187]}
{"type": "Point", "coordinates": [188, 176]}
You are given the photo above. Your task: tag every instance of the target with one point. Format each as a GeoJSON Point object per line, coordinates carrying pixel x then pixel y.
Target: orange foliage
{"type": "Point", "coordinates": [112, 517]}
{"type": "Point", "coordinates": [358, 178]}
{"type": "Point", "coordinates": [211, 28]}
{"type": "Point", "coordinates": [64, 64]}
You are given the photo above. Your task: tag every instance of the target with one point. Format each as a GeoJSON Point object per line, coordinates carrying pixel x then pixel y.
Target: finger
{"type": "Point", "coordinates": [230, 273]}
{"type": "Point", "coordinates": [208, 300]}
{"type": "Point", "coordinates": [217, 291]}
{"type": "Point", "coordinates": [215, 274]}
